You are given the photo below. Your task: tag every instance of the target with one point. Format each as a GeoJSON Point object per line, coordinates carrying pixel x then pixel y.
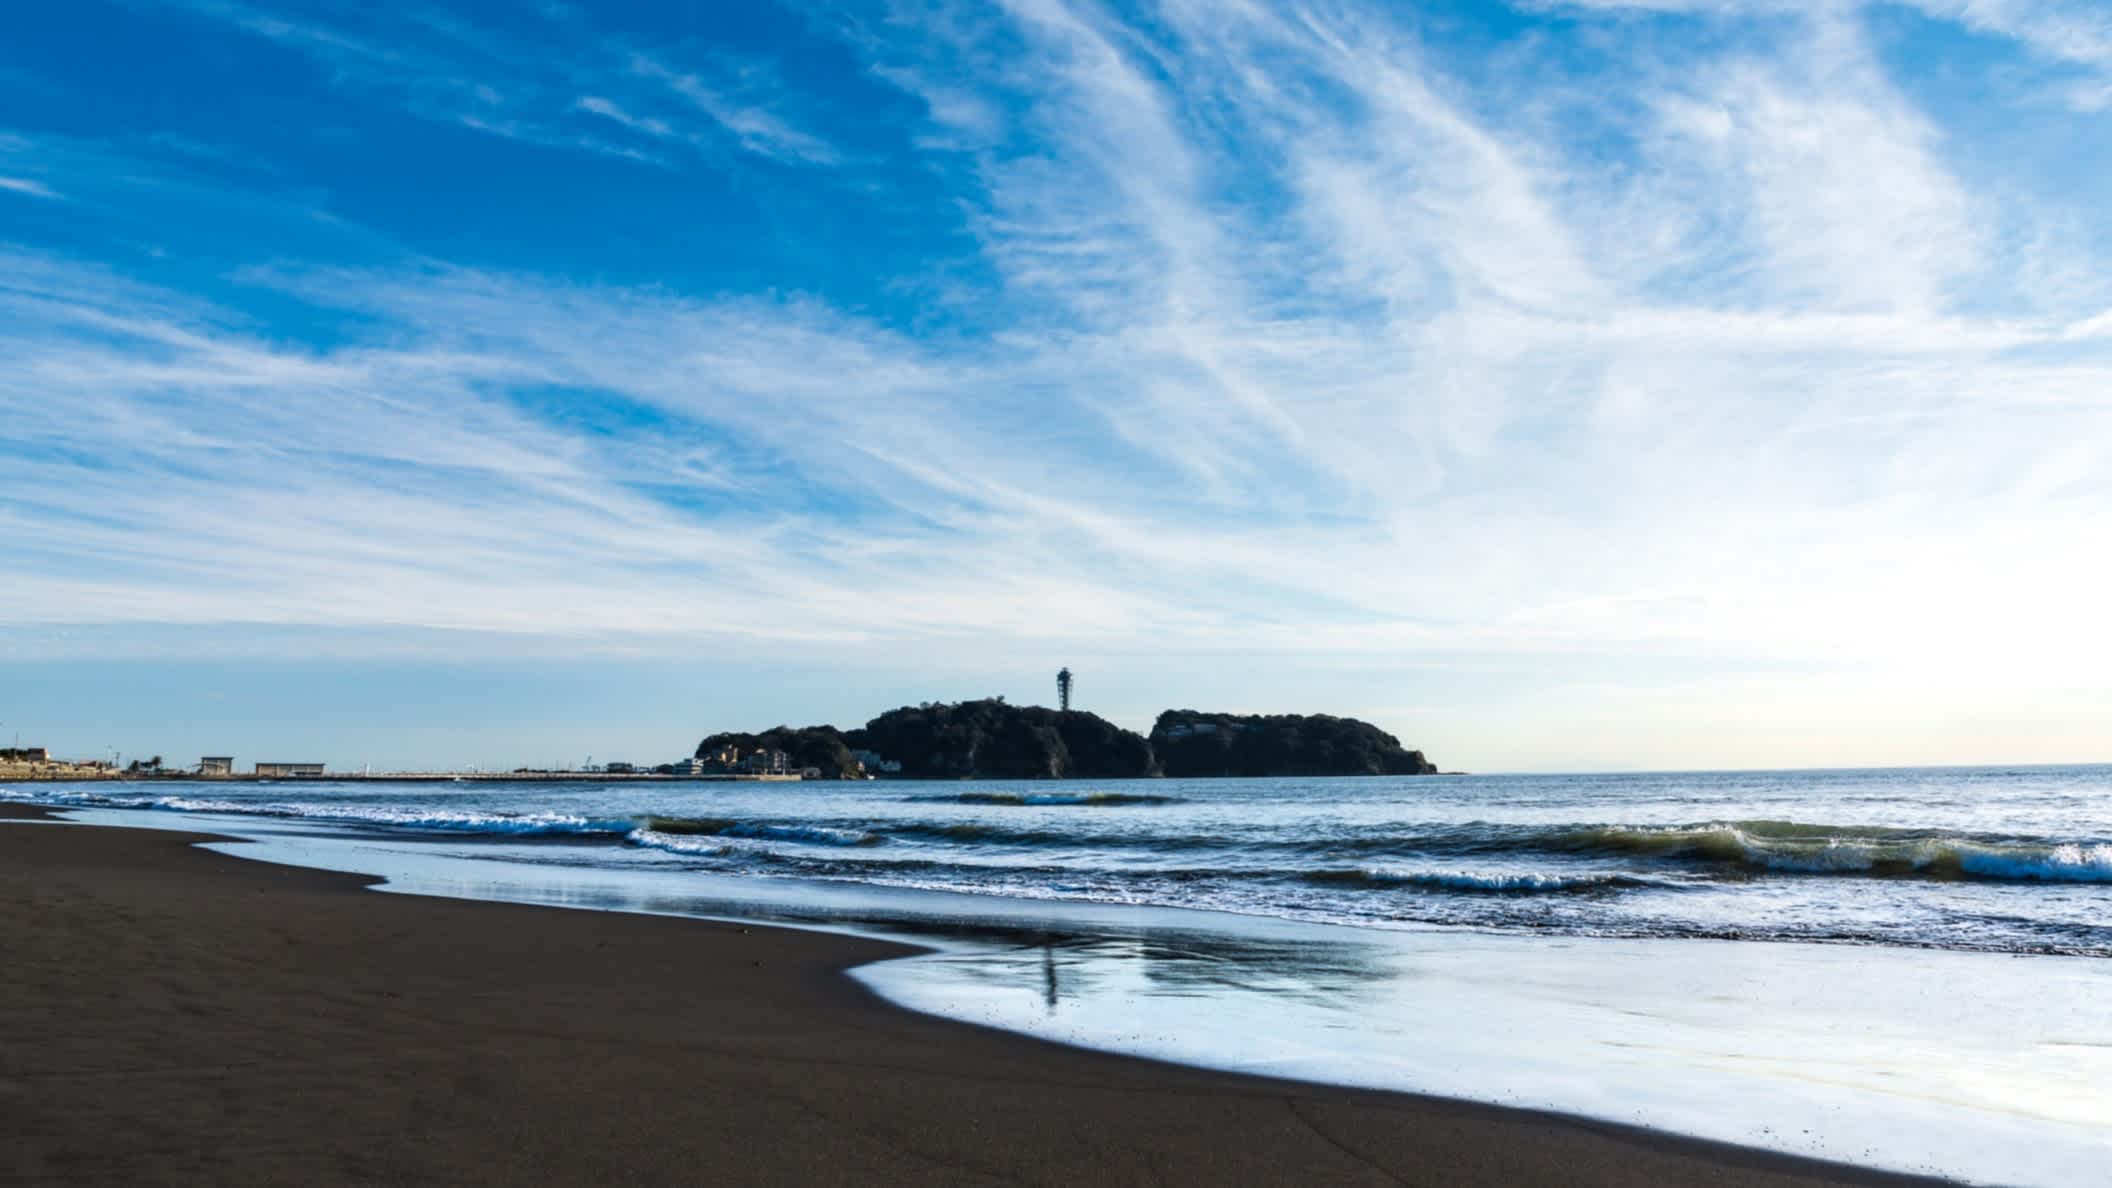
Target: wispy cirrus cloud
{"type": "Point", "coordinates": [1300, 336]}
{"type": "Point", "coordinates": [2072, 33]}
{"type": "Point", "coordinates": [754, 125]}
{"type": "Point", "coordinates": [544, 85]}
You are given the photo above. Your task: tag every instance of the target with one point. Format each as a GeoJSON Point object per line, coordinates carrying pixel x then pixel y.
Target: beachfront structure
{"type": "Point", "coordinates": [288, 771]}
{"type": "Point", "coordinates": [217, 765]}
{"type": "Point", "coordinates": [1063, 690]}
{"type": "Point", "coordinates": [766, 762]}
{"type": "Point", "coordinates": [873, 764]}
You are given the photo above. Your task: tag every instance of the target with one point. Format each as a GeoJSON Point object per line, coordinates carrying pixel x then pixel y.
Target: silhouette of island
{"type": "Point", "coordinates": [991, 739]}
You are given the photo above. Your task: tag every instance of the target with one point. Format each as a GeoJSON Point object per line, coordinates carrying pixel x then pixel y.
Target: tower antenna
{"type": "Point", "coordinates": [1063, 690]}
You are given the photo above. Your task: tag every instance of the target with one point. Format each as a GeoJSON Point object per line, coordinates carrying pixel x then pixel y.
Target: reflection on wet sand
{"type": "Point", "coordinates": [1056, 957]}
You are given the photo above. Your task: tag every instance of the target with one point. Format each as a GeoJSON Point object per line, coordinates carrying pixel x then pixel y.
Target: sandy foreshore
{"type": "Point", "coordinates": [173, 1016]}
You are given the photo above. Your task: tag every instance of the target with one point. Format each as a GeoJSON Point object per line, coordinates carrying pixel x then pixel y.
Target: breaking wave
{"type": "Point", "coordinates": [1793, 848]}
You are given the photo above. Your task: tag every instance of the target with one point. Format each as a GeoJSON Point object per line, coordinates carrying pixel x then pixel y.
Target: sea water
{"type": "Point", "coordinates": [1900, 968]}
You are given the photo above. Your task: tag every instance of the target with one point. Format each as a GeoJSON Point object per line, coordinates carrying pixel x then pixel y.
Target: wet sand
{"type": "Point", "coordinates": [174, 1016]}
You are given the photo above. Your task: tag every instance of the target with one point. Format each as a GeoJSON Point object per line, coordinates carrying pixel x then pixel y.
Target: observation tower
{"type": "Point", "coordinates": [1063, 690]}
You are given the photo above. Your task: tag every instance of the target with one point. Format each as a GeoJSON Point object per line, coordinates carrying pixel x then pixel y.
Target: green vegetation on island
{"type": "Point", "coordinates": [806, 748]}
{"type": "Point", "coordinates": [992, 739]}
{"type": "Point", "coordinates": [1189, 744]}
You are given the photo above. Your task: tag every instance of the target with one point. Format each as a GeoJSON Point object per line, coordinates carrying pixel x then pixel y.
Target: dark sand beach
{"type": "Point", "coordinates": [173, 1016]}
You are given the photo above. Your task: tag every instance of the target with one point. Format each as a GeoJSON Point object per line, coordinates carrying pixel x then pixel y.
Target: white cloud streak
{"type": "Point", "coordinates": [442, 68]}
{"type": "Point", "coordinates": [27, 185]}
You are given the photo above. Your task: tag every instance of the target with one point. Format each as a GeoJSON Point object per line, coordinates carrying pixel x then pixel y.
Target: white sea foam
{"type": "Point", "coordinates": [1468, 880]}
{"type": "Point", "coordinates": [397, 816]}
{"type": "Point", "coordinates": [1515, 881]}
{"type": "Point", "coordinates": [2062, 864]}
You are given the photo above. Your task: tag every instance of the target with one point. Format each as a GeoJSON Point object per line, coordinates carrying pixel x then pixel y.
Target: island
{"type": "Point", "coordinates": [990, 739]}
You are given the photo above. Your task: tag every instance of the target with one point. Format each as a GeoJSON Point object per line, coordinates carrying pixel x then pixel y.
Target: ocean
{"type": "Point", "coordinates": [1903, 968]}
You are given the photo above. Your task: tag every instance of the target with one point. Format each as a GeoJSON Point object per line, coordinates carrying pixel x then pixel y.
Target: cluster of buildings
{"type": "Point", "coordinates": [763, 761]}
{"type": "Point", "coordinates": [726, 762]}
{"type": "Point", "coordinates": [874, 766]}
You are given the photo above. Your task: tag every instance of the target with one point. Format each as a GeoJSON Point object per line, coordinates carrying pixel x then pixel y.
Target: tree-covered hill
{"type": "Point", "coordinates": [820, 747]}
{"type": "Point", "coordinates": [991, 739]}
{"type": "Point", "coordinates": [1192, 744]}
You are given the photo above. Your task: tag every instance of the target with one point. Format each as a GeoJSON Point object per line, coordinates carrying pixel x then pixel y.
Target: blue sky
{"type": "Point", "coordinates": [1664, 383]}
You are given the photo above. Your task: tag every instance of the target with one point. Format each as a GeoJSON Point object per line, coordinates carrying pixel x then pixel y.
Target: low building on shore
{"type": "Point", "coordinates": [289, 771]}
{"type": "Point", "coordinates": [217, 765]}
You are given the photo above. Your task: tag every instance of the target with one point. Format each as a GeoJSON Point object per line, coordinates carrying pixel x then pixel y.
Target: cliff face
{"type": "Point", "coordinates": [1191, 744]}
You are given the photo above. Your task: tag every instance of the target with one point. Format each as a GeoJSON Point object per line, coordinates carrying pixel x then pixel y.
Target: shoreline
{"type": "Point", "coordinates": [401, 777]}
{"type": "Point", "coordinates": [179, 1015]}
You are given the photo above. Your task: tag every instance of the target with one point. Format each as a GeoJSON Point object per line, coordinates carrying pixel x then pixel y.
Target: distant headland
{"type": "Point", "coordinates": [992, 739]}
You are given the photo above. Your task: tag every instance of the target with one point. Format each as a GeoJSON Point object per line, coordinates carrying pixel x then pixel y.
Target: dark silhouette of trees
{"type": "Point", "coordinates": [991, 739]}
{"type": "Point", "coordinates": [1190, 744]}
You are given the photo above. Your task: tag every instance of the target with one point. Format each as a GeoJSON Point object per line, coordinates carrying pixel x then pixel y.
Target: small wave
{"type": "Point", "coordinates": [675, 843]}
{"type": "Point", "coordinates": [817, 835]}
{"type": "Point", "coordinates": [1496, 882]}
{"type": "Point", "coordinates": [701, 826]}
{"type": "Point", "coordinates": [999, 834]}
{"type": "Point", "coordinates": [971, 832]}
{"type": "Point", "coordinates": [1040, 799]}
